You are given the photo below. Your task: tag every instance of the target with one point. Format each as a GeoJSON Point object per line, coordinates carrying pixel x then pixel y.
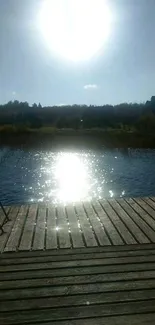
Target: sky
{"type": "Point", "coordinates": [121, 70]}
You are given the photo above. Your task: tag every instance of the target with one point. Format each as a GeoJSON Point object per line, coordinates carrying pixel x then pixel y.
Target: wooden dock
{"type": "Point", "coordinates": [99, 223]}
{"type": "Point", "coordinates": [91, 286]}
{"type": "Point", "coordinates": [84, 264]}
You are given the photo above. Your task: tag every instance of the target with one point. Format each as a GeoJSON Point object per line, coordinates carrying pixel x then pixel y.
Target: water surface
{"type": "Point", "coordinates": [71, 176]}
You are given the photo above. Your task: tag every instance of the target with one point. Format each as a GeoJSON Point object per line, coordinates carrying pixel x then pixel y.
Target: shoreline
{"type": "Point", "coordinates": [81, 138]}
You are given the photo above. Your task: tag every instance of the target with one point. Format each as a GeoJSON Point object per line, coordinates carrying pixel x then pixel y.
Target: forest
{"type": "Point", "coordinates": [122, 125]}
{"type": "Point", "coordinates": [127, 116]}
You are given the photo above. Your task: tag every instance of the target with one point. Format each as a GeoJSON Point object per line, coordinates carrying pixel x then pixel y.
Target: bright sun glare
{"type": "Point", "coordinates": [75, 29]}
{"type": "Point", "coordinates": [72, 177]}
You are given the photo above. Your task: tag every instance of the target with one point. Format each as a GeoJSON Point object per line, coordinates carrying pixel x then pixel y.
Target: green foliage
{"type": "Point", "coordinates": [15, 116]}
{"type": "Point", "coordinates": [146, 123]}
{"type": "Point", "coordinates": [7, 129]}
{"type": "Point", "coordinates": [13, 129]}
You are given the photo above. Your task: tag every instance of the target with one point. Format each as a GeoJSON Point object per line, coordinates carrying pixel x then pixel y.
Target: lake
{"type": "Point", "coordinates": [69, 176]}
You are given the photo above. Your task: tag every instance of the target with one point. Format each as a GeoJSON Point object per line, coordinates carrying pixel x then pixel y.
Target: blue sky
{"type": "Point", "coordinates": [122, 71]}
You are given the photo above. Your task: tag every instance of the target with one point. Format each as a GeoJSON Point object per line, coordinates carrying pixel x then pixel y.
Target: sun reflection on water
{"type": "Point", "coordinates": [72, 178]}
{"type": "Point", "coordinates": [64, 177]}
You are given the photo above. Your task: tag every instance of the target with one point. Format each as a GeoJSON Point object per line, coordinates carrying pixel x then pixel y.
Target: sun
{"type": "Point", "coordinates": [75, 29]}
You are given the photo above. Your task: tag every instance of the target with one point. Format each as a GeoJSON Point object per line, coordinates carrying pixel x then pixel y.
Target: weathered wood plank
{"type": "Point", "coordinates": [7, 227]}
{"type": "Point", "coordinates": [144, 237]}
{"type": "Point", "coordinates": [26, 239]}
{"type": "Point", "coordinates": [87, 299]}
{"type": "Point", "coordinates": [74, 257]}
{"type": "Point", "coordinates": [128, 220]}
{"type": "Point", "coordinates": [51, 237]}
{"type": "Point", "coordinates": [15, 235]}
{"type": "Point", "coordinates": [3, 216]}
{"type": "Point", "coordinates": [111, 230]}
{"type": "Point", "coordinates": [146, 207]}
{"type": "Point", "coordinates": [150, 202]}
{"type": "Point", "coordinates": [62, 228]}
{"type": "Point", "coordinates": [84, 270]}
{"type": "Point", "coordinates": [86, 227]}
{"type": "Point", "coordinates": [98, 228]}
{"type": "Point", "coordinates": [144, 216]}
{"type": "Point", "coordinates": [39, 236]}
{"type": "Point", "coordinates": [135, 319]}
{"type": "Point", "coordinates": [126, 235]}
{"type": "Point", "coordinates": [78, 279]}
{"type": "Point", "coordinates": [132, 226]}
{"type": "Point", "coordinates": [79, 251]}
{"type": "Point", "coordinates": [73, 289]}
{"type": "Point", "coordinates": [75, 230]}
{"type": "Point", "coordinates": [77, 263]}
{"type": "Point", "coordinates": [78, 312]}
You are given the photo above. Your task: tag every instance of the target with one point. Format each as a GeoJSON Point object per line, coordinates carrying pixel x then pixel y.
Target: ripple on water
{"type": "Point", "coordinates": [37, 176]}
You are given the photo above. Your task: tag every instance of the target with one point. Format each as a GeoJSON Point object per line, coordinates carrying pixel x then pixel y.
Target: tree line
{"type": "Point", "coordinates": [122, 116]}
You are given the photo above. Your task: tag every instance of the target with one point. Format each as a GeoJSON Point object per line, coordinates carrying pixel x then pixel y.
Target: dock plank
{"type": "Point", "coordinates": [111, 230]}
{"type": "Point", "coordinates": [98, 228]}
{"type": "Point", "coordinates": [144, 216]}
{"type": "Point", "coordinates": [82, 300]}
{"type": "Point", "coordinates": [82, 270]}
{"type": "Point", "coordinates": [103, 223]}
{"type": "Point", "coordinates": [26, 239]}
{"type": "Point", "coordinates": [77, 263]}
{"type": "Point", "coordinates": [136, 319]}
{"type": "Point", "coordinates": [12, 213]}
{"type": "Point", "coordinates": [79, 312]}
{"type": "Point", "coordinates": [73, 289]}
{"type": "Point", "coordinates": [39, 236]}
{"type": "Point", "coordinates": [149, 201]}
{"type": "Point", "coordinates": [85, 226]}
{"type": "Point", "coordinates": [69, 251]}
{"type": "Point", "coordinates": [62, 228]}
{"type": "Point", "coordinates": [16, 232]}
{"type": "Point", "coordinates": [73, 256]}
{"type": "Point", "coordinates": [146, 207]}
{"type": "Point", "coordinates": [121, 228]}
{"type": "Point", "coordinates": [133, 228]}
{"type": "Point", "coordinates": [118, 290]}
{"type": "Point", "coordinates": [143, 236]}
{"type": "Point", "coordinates": [74, 227]}
{"type": "Point", "coordinates": [2, 215]}
{"type": "Point", "coordinates": [78, 279]}
{"type": "Point", "coordinates": [51, 237]}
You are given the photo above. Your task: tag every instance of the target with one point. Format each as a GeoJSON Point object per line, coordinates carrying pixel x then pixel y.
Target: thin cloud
{"type": "Point", "coordinates": [90, 86]}
{"type": "Point", "coordinates": [61, 104]}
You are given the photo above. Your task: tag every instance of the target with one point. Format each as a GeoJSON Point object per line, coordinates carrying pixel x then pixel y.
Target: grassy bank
{"type": "Point", "coordinates": [49, 136]}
